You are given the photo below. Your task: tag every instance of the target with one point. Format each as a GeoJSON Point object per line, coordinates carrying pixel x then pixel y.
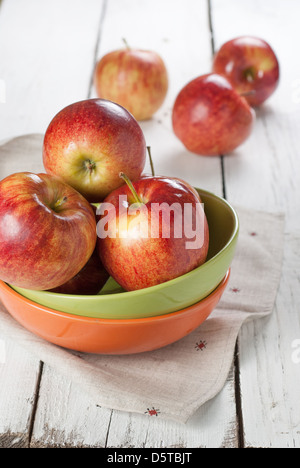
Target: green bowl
{"type": "Point", "coordinates": [114, 303]}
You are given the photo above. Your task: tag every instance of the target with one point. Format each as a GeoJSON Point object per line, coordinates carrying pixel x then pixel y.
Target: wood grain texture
{"type": "Point", "coordinates": [213, 426]}
{"type": "Point", "coordinates": [182, 38]}
{"type": "Point", "coordinates": [47, 53]}
{"type": "Point", "coordinates": [19, 376]}
{"type": "Point", "coordinates": [48, 63]}
{"type": "Point", "coordinates": [66, 417]}
{"type": "Point", "coordinates": [78, 421]}
{"type": "Point", "coordinates": [265, 174]}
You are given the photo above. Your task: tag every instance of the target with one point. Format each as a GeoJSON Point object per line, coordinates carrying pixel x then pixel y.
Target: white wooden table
{"type": "Point", "coordinates": [48, 50]}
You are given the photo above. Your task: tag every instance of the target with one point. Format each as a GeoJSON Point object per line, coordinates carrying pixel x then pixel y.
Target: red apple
{"type": "Point", "coordinates": [251, 66]}
{"type": "Point", "coordinates": [88, 143]}
{"type": "Point", "coordinates": [47, 231]}
{"type": "Point", "coordinates": [152, 231]}
{"type": "Point", "coordinates": [210, 117]}
{"type": "Point", "coordinates": [88, 281]}
{"type": "Point", "coordinates": [136, 79]}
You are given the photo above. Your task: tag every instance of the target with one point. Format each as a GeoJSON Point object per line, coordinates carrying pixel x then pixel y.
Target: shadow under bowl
{"type": "Point", "coordinates": [104, 336]}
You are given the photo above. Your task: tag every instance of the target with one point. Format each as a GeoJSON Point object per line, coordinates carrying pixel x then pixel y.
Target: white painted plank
{"type": "Point", "coordinates": [212, 426]}
{"type": "Point", "coordinates": [47, 54]}
{"type": "Point", "coordinates": [265, 174]}
{"type": "Point", "coordinates": [178, 31]}
{"type": "Point", "coordinates": [66, 417]}
{"type": "Point", "coordinates": [18, 376]}
{"type": "Point", "coordinates": [69, 418]}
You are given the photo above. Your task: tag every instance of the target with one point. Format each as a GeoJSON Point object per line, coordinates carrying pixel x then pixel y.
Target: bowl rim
{"type": "Point", "coordinates": [157, 287]}
{"type": "Point", "coordinates": [80, 318]}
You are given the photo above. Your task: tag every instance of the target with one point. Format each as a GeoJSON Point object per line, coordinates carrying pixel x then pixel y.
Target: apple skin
{"type": "Point", "coordinates": [89, 142]}
{"type": "Point", "coordinates": [139, 262]}
{"type": "Point", "coordinates": [89, 281]}
{"type": "Point", "coordinates": [47, 231]}
{"type": "Point", "coordinates": [210, 117]}
{"type": "Point", "coordinates": [251, 66]}
{"type": "Point", "coordinates": [135, 79]}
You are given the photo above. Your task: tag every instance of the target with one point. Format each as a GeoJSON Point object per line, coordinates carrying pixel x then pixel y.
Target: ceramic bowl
{"type": "Point", "coordinates": [104, 336]}
{"type": "Point", "coordinates": [114, 303]}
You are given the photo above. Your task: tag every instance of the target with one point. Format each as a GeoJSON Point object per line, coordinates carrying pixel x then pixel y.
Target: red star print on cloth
{"type": "Point", "coordinates": [201, 345]}
{"type": "Point", "coordinates": [152, 411]}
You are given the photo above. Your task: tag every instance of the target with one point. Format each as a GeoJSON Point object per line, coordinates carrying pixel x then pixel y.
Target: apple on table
{"type": "Point", "coordinates": [141, 241]}
{"type": "Point", "coordinates": [89, 142]}
{"type": "Point", "coordinates": [136, 79]}
{"type": "Point", "coordinates": [210, 117]}
{"type": "Point", "coordinates": [251, 66]}
{"type": "Point", "coordinates": [47, 231]}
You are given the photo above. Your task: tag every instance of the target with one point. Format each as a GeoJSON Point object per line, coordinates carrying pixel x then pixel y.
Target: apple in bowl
{"type": "Point", "coordinates": [47, 231]}
{"type": "Point", "coordinates": [134, 78]}
{"type": "Point", "coordinates": [89, 142]}
{"type": "Point", "coordinates": [89, 281]}
{"type": "Point", "coordinates": [151, 231]}
{"type": "Point", "coordinates": [210, 117]}
{"type": "Point", "coordinates": [251, 66]}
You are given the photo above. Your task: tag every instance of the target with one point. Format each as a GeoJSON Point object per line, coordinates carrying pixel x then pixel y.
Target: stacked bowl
{"type": "Point", "coordinates": [120, 322]}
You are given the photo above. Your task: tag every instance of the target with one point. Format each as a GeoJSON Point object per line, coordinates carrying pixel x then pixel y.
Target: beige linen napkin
{"type": "Point", "coordinates": [172, 382]}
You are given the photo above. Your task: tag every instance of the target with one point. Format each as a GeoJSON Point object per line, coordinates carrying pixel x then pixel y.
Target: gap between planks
{"type": "Point", "coordinates": [36, 399]}
{"type": "Point", "coordinates": [238, 396]}
{"type": "Point", "coordinates": [98, 40]}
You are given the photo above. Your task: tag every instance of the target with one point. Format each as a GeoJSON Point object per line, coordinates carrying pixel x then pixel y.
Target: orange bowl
{"type": "Point", "coordinates": [104, 336]}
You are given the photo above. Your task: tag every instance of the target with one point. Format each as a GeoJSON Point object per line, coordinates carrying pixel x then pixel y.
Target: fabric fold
{"type": "Point", "coordinates": [171, 382]}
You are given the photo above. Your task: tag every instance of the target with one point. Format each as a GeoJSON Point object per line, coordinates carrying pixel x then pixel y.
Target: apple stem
{"type": "Point", "coordinates": [59, 203]}
{"type": "Point", "coordinates": [250, 74]}
{"type": "Point", "coordinates": [151, 162]}
{"type": "Point", "coordinates": [90, 165]}
{"type": "Point", "coordinates": [248, 93]}
{"type": "Point", "coordinates": [131, 187]}
{"type": "Point", "coordinates": [126, 43]}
